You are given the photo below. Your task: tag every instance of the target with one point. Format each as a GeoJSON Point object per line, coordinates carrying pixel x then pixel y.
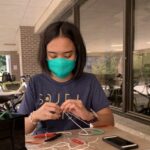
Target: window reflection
{"type": "Point", "coordinates": [102, 29]}
{"type": "Point", "coordinates": [2, 65]}
{"type": "Point", "coordinates": [141, 58]}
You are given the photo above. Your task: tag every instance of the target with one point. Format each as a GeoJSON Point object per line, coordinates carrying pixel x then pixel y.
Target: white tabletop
{"type": "Point", "coordinates": [143, 89]}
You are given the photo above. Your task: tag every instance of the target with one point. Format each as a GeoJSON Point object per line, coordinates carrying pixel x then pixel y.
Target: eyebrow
{"type": "Point", "coordinates": [70, 51]}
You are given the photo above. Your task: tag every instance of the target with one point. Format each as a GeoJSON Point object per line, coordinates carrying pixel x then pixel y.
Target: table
{"type": "Point", "coordinates": [8, 93]}
{"type": "Point", "coordinates": [7, 96]}
{"type": "Point", "coordinates": [143, 89]}
{"type": "Point", "coordinates": [96, 141]}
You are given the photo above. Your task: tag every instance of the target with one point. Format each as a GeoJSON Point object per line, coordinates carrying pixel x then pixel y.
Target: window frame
{"type": "Point", "coordinates": [128, 48]}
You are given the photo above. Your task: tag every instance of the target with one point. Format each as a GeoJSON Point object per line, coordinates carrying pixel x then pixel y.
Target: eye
{"type": "Point", "coordinates": [52, 55]}
{"type": "Point", "coordinates": [68, 55]}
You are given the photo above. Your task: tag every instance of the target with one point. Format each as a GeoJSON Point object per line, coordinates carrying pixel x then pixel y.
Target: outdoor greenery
{"type": "Point", "coordinates": [105, 66]}
{"type": "Point", "coordinates": [2, 64]}
{"type": "Point", "coordinates": [141, 66]}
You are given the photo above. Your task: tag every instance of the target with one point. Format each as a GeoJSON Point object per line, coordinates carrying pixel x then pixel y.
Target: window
{"type": "Point", "coordinates": [2, 65]}
{"type": "Point", "coordinates": [5, 65]}
{"type": "Point", "coordinates": [107, 27]}
{"type": "Point", "coordinates": [141, 58]}
{"type": "Point", "coordinates": [101, 24]}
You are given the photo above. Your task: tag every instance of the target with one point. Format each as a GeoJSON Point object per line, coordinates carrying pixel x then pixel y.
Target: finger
{"type": "Point", "coordinates": [55, 116]}
{"type": "Point", "coordinates": [66, 103]}
{"type": "Point", "coordinates": [79, 102]}
{"type": "Point", "coordinates": [50, 104]}
{"type": "Point", "coordinates": [54, 108]}
{"type": "Point", "coordinates": [52, 116]}
{"type": "Point", "coordinates": [70, 107]}
{"type": "Point", "coordinates": [66, 107]}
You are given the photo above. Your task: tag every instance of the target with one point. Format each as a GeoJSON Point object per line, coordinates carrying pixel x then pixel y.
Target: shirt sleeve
{"type": "Point", "coordinates": [98, 97]}
{"type": "Point", "coordinates": [28, 103]}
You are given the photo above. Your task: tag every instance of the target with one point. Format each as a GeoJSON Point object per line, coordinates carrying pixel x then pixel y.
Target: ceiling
{"type": "Point", "coordinates": [15, 13]}
{"type": "Point", "coordinates": [103, 22]}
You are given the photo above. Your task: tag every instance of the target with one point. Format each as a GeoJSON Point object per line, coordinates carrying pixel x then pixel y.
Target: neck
{"type": "Point", "coordinates": [61, 80]}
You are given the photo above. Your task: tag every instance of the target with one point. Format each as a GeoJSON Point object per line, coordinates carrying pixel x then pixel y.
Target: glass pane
{"type": "Point", "coordinates": [102, 29]}
{"type": "Point", "coordinates": [2, 66]}
{"type": "Point", "coordinates": [141, 58]}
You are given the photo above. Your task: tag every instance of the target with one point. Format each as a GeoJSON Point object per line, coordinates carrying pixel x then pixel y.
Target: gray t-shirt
{"type": "Point", "coordinates": [42, 88]}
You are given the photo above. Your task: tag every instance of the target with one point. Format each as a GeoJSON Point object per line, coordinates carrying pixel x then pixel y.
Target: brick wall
{"type": "Point", "coordinates": [15, 68]}
{"type": "Point", "coordinates": [29, 50]}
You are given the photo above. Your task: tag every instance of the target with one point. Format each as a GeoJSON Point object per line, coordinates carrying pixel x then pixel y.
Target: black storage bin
{"type": "Point", "coordinates": [12, 133]}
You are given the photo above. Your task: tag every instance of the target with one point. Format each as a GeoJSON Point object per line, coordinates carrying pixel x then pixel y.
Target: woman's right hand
{"type": "Point", "coordinates": [48, 111]}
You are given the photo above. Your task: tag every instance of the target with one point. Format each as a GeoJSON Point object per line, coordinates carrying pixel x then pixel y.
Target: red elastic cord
{"type": "Point", "coordinates": [44, 135]}
{"type": "Point", "coordinates": [77, 141]}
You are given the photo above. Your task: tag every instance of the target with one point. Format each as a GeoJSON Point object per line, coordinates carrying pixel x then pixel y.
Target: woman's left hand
{"type": "Point", "coordinates": [77, 108]}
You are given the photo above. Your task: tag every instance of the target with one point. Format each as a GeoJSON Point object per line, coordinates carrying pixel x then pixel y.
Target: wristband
{"type": "Point", "coordinates": [31, 119]}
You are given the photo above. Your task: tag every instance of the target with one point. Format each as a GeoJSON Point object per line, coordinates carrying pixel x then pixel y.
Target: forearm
{"type": "Point", "coordinates": [105, 118]}
{"type": "Point", "coordinates": [42, 114]}
{"type": "Point", "coordinates": [29, 126]}
{"type": "Point", "coordinates": [31, 122]}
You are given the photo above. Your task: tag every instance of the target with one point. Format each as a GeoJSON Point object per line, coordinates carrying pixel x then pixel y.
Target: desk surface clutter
{"type": "Point", "coordinates": [79, 140]}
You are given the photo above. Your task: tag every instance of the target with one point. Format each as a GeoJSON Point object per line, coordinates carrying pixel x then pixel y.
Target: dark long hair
{"type": "Point", "coordinates": [70, 31]}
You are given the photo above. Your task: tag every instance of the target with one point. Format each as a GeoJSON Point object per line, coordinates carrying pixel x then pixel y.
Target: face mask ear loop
{"type": "Point", "coordinates": [76, 123]}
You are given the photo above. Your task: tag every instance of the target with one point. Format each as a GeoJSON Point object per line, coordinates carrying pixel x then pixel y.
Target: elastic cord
{"type": "Point", "coordinates": [91, 131]}
{"type": "Point", "coordinates": [3, 114]}
{"type": "Point", "coordinates": [77, 124]}
{"type": "Point", "coordinates": [66, 144]}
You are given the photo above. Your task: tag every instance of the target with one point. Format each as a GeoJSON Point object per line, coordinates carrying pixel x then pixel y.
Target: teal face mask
{"type": "Point", "coordinates": [61, 67]}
